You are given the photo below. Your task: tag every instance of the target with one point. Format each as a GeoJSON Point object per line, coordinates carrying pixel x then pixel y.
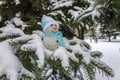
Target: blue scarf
{"type": "Point", "coordinates": [59, 37]}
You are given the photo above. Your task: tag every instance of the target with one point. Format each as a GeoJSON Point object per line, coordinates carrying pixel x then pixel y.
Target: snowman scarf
{"type": "Point", "coordinates": [59, 37]}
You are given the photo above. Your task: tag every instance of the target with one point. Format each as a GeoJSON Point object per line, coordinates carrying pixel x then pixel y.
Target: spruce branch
{"type": "Point", "coordinates": [88, 71]}
{"type": "Point", "coordinates": [102, 67]}
{"type": "Point", "coordinates": [96, 54]}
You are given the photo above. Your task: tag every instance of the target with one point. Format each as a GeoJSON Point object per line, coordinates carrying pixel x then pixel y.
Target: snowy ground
{"type": "Point", "coordinates": [111, 52]}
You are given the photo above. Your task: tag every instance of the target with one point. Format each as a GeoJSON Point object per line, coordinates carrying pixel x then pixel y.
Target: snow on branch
{"type": "Point", "coordinates": [18, 22]}
{"type": "Point", "coordinates": [10, 65]}
{"type": "Point", "coordinates": [54, 13]}
{"type": "Point", "coordinates": [103, 67]}
{"type": "Point", "coordinates": [39, 33]}
{"type": "Point", "coordinates": [10, 30]}
{"type": "Point", "coordinates": [80, 13]}
{"type": "Point", "coordinates": [23, 38]}
{"type": "Point", "coordinates": [60, 53]}
{"type": "Point", "coordinates": [62, 3]}
{"type": "Point", "coordinates": [34, 43]}
{"type": "Point", "coordinates": [17, 2]}
{"type": "Point", "coordinates": [77, 46]}
{"type": "Point", "coordinates": [0, 18]}
{"type": "Point", "coordinates": [89, 9]}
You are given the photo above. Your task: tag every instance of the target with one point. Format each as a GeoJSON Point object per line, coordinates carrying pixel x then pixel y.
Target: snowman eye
{"type": "Point", "coordinates": [51, 24]}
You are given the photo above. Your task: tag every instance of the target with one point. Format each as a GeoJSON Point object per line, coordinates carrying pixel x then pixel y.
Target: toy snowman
{"type": "Point", "coordinates": [53, 38]}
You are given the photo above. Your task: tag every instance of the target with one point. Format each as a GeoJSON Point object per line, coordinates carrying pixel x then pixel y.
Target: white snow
{"type": "Point", "coordinates": [74, 13]}
{"type": "Point", "coordinates": [10, 65]}
{"type": "Point", "coordinates": [62, 3]}
{"type": "Point", "coordinates": [49, 72]}
{"type": "Point", "coordinates": [80, 49]}
{"type": "Point", "coordinates": [0, 18]}
{"type": "Point", "coordinates": [60, 53]}
{"type": "Point", "coordinates": [57, 12]}
{"type": "Point", "coordinates": [91, 1]}
{"type": "Point", "coordinates": [18, 14]}
{"type": "Point", "coordinates": [1, 2]}
{"type": "Point", "coordinates": [34, 44]}
{"type": "Point", "coordinates": [95, 13]}
{"type": "Point", "coordinates": [18, 22]}
{"type": "Point", "coordinates": [83, 13]}
{"type": "Point", "coordinates": [111, 52]}
{"type": "Point", "coordinates": [10, 30]}
{"type": "Point", "coordinates": [17, 2]}
{"type": "Point", "coordinates": [91, 10]}
{"type": "Point", "coordinates": [39, 33]}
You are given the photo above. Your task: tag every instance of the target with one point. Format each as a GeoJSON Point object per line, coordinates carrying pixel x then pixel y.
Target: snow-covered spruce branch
{"type": "Point", "coordinates": [10, 65]}
{"type": "Point", "coordinates": [32, 43]}
{"type": "Point", "coordinates": [10, 30]}
{"type": "Point", "coordinates": [11, 27]}
{"type": "Point", "coordinates": [77, 46]}
{"type": "Point", "coordinates": [13, 68]}
{"type": "Point", "coordinates": [91, 10]}
{"type": "Point", "coordinates": [35, 44]}
{"type": "Point", "coordinates": [101, 66]}
{"type": "Point", "coordinates": [90, 59]}
{"type": "Point", "coordinates": [22, 39]}
{"type": "Point", "coordinates": [96, 54]}
{"type": "Point", "coordinates": [89, 72]}
{"type": "Point", "coordinates": [62, 3]}
{"type": "Point", "coordinates": [18, 22]}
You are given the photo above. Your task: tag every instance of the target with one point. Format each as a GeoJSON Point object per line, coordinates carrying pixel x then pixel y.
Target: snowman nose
{"type": "Point", "coordinates": [55, 27]}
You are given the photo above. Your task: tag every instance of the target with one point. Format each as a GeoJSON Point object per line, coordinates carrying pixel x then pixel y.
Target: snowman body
{"type": "Point", "coordinates": [50, 39]}
{"type": "Point", "coordinates": [51, 43]}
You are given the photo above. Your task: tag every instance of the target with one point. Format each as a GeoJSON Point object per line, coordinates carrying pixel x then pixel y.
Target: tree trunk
{"type": "Point", "coordinates": [109, 35]}
{"type": "Point", "coordinates": [82, 33]}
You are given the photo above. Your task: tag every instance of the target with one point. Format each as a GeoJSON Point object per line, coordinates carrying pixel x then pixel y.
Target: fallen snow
{"type": "Point", "coordinates": [111, 52]}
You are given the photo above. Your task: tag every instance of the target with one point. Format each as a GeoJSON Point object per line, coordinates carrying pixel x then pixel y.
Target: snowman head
{"type": "Point", "coordinates": [53, 28]}
{"type": "Point", "coordinates": [49, 25]}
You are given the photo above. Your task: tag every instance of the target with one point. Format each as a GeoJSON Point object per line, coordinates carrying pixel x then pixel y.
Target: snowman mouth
{"type": "Point", "coordinates": [54, 31]}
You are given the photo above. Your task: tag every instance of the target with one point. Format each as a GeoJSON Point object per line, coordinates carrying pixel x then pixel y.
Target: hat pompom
{"type": "Point", "coordinates": [47, 21]}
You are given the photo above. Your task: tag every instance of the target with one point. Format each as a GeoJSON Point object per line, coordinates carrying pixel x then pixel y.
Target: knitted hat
{"type": "Point", "coordinates": [47, 21]}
